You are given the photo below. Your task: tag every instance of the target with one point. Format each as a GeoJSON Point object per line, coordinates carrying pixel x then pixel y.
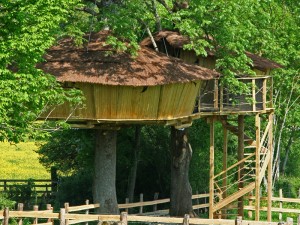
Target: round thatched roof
{"type": "Point", "coordinates": [98, 63]}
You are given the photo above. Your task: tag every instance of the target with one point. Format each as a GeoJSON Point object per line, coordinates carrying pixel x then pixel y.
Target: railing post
{"type": "Point", "coordinates": [62, 216]}
{"type": "Point", "coordinates": [250, 213]}
{"type": "Point", "coordinates": [186, 219]}
{"type": "Point", "coordinates": [66, 212]}
{"type": "Point", "coordinates": [6, 216]}
{"type": "Point", "coordinates": [87, 202]}
{"type": "Point", "coordinates": [123, 218]}
{"type": "Point", "coordinates": [155, 198]}
{"type": "Point", "coordinates": [289, 221]}
{"type": "Point", "coordinates": [238, 220]}
{"type": "Point", "coordinates": [20, 208]}
{"type": "Point", "coordinates": [280, 204]}
{"type": "Point", "coordinates": [141, 200]}
{"type": "Point", "coordinates": [35, 208]}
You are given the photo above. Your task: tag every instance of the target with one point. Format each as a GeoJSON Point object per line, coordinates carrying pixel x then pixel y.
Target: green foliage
{"type": "Point", "coordinates": [28, 28]}
{"type": "Point", "coordinates": [6, 202]}
{"type": "Point", "coordinates": [68, 150]}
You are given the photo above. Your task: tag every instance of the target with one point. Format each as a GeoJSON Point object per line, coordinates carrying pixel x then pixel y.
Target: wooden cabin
{"type": "Point", "coordinates": [119, 88]}
{"type": "Point", "coordinates": [214, 97]}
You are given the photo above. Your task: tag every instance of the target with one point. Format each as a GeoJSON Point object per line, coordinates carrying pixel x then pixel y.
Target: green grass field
{"type": "Point", "coordinates": [20, 162]}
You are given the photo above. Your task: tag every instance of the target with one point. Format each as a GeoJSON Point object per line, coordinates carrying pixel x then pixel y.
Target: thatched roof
{"type": "Point", "coordinates": [177, 40]}
{"type": "Point", "coordinates": [100, 64]}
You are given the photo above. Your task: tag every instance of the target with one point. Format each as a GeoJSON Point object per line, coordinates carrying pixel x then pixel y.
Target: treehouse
{"type": "Point", "coordinates": [118, 88]}
{"type": "Point", "coordinates": [229, 186]}
{"type": "Point", "coordinates": [213, 96]}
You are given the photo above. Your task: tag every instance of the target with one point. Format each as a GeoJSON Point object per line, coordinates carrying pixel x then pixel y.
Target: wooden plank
{"type": "Point", "coordinates": [216, 94]}
{"type": "Point", "coordinates": [32, 214]}
{"type": "Point", "coordinates": [82, 207]}
{"type": "Point", "coordinates": [200, 196]}
{"type": "Point", "coordinates": [257, 167]}
{"type": "Point", "coordinates": [264, 94]}
{"type": "Point", "coordinates": [280, 210]}
{"type": "Point", "coordinates": [264, 167]}
{"type": "Point", "coordinates": [138, 204]}
{"type": "Point", "coordinates": [92, 217]}
{"type": "Point", "coordinates": [201, 206]}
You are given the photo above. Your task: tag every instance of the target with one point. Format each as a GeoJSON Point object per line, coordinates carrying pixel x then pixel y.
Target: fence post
{"type": "Point", "coordinates": [298, 220]}
{"type": "Point", "coordinates": [141, 200]}
{"type": "Point", "coordinates": [289, 221]}
{"type": "Point", "coordinates": [126, 202]}
{"type": "Point", "coordinates": [35, 208]}
{"type": "Point", "coordinates": [155, 198]}
{"type": "Point", "coordinates": [6, 216]}
{"type": "Point", "coordinates": [20, 208]}
{"type": "Point", "coordinates": [123, 218]}
{"type": "Point", "coordinates": [197, 202]}
{"type": "Point", "coordinates": [280, 204]}
{"type": "Point", "coordinates": [250, 213]}
{"type": "Point", "coordinates": [87, 202]}
{"type": "Point", "coordinates": [205, 201]}
{"type": "Point", "coordinates": [186, 219]}
{"type": "Point", "coordinates": [238, 220]}
{"type": "Point", "coordinates": [62, 216]}
{"type": "Point", "coordinates": [5, 185]}
{"type": "Point", "coordinates": [48, 207]}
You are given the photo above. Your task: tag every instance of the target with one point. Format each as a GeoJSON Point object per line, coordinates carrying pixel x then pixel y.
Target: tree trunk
{"type": "Point", "coordinates": [181, 191]}
{"type": "Point", "coordinates": [104, 189]}
{"type": "Point", "coordinates": [133, 171]}
{"type": "Point", "coordinates": [287, 150]}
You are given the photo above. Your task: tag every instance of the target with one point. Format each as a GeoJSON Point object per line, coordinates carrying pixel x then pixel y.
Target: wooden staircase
{"type": "Point", "coordinates": [248, 165]}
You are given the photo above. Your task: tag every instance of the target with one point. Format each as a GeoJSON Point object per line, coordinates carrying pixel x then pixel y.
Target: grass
{"type": "Point", "coordinates": [20, 161]}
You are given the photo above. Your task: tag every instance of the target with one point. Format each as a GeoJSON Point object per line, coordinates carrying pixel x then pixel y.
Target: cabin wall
{"type": "Point", "coordinates": [104, 102]}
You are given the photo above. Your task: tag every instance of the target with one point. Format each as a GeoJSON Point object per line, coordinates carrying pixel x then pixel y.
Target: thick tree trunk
{"type": "Point", "coordinates": [133, 171]}
{"type": "Point", "coordinates": [181, 191]}
{"type": "Point", "coordinates": [104, 189]}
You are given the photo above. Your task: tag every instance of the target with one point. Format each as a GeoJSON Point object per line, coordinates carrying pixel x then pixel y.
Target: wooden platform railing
{"type": "Point", "coordinates": [124, 218]}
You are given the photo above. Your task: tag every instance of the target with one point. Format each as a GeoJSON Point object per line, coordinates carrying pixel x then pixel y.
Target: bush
{"type": "Point", "coordinates": [5, 202]}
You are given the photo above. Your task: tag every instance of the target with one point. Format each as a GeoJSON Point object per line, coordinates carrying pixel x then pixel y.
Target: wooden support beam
{"type": "Point", "coordinates": [224, 177]}
{"type": "Point", "coordinates": [270, 147]}
{"type": "Point", "coordinates": [241, 130]}
{"type": "Point", "coordinates": [211, 170]}
{"type": "Point", "coordinates": [216, 94]}
{"type": "Point", "coordinates": [257, 168]}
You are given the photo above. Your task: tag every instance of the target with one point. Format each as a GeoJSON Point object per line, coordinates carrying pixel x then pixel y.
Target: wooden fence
{"type": "Point", "coordinates": [124, 218]}
{"type": "Point", "coordinates": [41, 186]}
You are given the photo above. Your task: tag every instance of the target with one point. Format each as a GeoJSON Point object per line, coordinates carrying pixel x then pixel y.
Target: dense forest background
{"type": "Point", "coordinates": [269, 28]}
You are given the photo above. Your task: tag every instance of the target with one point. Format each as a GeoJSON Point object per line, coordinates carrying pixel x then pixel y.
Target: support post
{"type": "Point", "coordinates": [257, 168]}
{"type": "Point", "coordinates": [253, 95]}
{"type": "Point", "coordinates": [270, 147]}
{"type": "Point", "coordinates": [62, 216]}
{"type": "Point", "coordinates": [238, 220]}
{"type": "Point", "coordinates": [6, 216]}
{"type": "Point", "coordinates": [20, 208]}
{"type": "Point", "coordinates": [126, 202]}
{"type": "Point", "coordinates": [141, 200]}
{"type": "Point", "coordinates": [224, 177]}
{"type": "Point", "coordinates": [241, 128]}
{"type": "Point", "coordinates": [211, 171]}
{"type": "Point", "coordinates": [50, 208]}
{"type": "Point", "coordinates": [216, 94]}
{"type": "Point", "coordinates": [264, 94]}
{"type": "Point", "coordinates": [87, 202]}
{"type": "Point", "coordinates": [289, 221]}
{"type": "Point", "coordinates": [123, 218]}
{"type": "Point", "coordinates": [35, 208]}
{"type": "Point", "coordinates": [186, 219]}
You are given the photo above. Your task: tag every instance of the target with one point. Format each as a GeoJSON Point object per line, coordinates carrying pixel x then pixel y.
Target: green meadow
{"type": "Point", "coordinates": [20, 161]}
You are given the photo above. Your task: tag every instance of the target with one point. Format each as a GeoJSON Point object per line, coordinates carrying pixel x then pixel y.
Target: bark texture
{"type": "Point", "coordinates": [181, 191]}
{"type": "Point", "coordinates": [104, 189]}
